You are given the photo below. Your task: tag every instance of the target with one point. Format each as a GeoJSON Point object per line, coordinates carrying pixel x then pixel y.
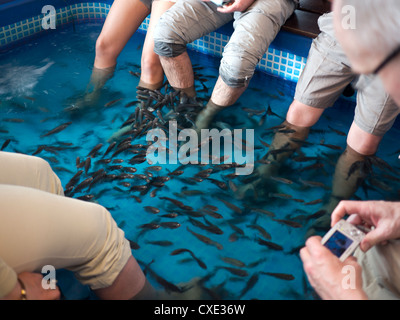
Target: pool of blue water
{"type": "Point", "coordinates": [38, 80]}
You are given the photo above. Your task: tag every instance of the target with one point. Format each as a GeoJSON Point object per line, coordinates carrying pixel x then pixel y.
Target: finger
{"type": "Point", "coordinates": [372, 238]}
{"type": "Point", "coordinates": [304, 254]}
{"type": "Point", "coordinates": [318, 252]}
{"type": "Point", "coordinates": [347, 207]}
{"type": "Point", "coordinates": [229, 8]}
{"type": "Point", "coordinates": [53, 294]}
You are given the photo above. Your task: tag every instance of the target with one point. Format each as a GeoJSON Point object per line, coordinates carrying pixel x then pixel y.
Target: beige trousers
{"type": "Point", "coordinates": [38, 227]}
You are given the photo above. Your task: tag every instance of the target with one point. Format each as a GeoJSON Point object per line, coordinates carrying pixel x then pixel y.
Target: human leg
{"type": "Point", "coordinates": [122, 21]}
{"type": "Point", "coordinates": [254, 30]}
{"type": "Point", "coordinates": [184, 23]}
{"type": "Point", "coordinates": [152, 74]}
{"type": "Point", "coordinates": [47, 229]}
{"type": "Point", "coordinates": [29, 171]}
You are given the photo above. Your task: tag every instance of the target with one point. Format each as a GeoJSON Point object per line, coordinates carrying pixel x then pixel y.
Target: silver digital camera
{"type": "Point", "coordinates": [343, 239]}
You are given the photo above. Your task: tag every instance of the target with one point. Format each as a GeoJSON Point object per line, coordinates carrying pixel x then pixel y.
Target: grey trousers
{"type": "Point", "coordinates": [254, 30]}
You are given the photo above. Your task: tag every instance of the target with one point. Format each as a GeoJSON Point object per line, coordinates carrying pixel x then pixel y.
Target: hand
{"type": "Point", "coordinates": [236, 5]}
{"type": "Point", "coordinates": [383, 215]}
{"type": "Point", "coordinates": [34, 289]}
{"type": "Point", "coordinates": [328, 275]}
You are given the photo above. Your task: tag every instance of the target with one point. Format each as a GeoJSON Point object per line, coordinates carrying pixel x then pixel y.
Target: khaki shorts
{"type": "Point", "coordinates": [39, 227]}
{"type": "Point", "coordinates": [381, 272]}
{"type": "Point", "coordinates": [328, 72]}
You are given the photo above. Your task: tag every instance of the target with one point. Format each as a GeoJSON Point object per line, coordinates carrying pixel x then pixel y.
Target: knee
{"type": "Point", "coordinates": [104, 48]}
{"type": "Point", "coordinates": [150, 63]}
{"type": "Point", "coordinates": [236, 71]}
{"type": "Point", "coordinates": [167, 42]}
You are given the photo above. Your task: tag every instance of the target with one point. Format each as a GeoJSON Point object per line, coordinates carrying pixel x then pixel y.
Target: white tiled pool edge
{"type": "Point", "coordinates": [275, 62]}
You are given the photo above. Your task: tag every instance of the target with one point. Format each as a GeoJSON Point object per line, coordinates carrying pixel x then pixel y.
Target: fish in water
{"type": "Point", "coordinates": [233, 261]}
{"type": "Point", "coordinates": [261, 230]}
{"type": "Point", "coordinates": [231, 206]}
{"type": "Point", "coordinates": [283, 276]}
{"type": "Point", "coordinates": [235, 271]}
{"type": "Point", "coordinates": [283, 180]}
{"type": "Point", "coordinates": [5, 144]}
{"type": "Point", "coordinates": [205, 239]}
{"type": "Point", "coordinates": [289, 223]}
{"type": "Point", "coordinates": [58, 129]}
{"type": "Point", "coordinates": [162, 243]}
{"type": "Point", "coordinates": [208, 227]}
{"type": "Point", "coordinates": [179, 251]}
{"type": "Point", "coordinates": [151, 209]}
{"type": "Point", "coordinates": [170, 224]}
{"type": "Point", "coordinates": [266, 212]}
{"type": "Point", "coordinates": [269, 244]}
{"type": "Point", "coordinates": [94, 151]}
{"type": "Point", "coordinates": [250, 284]}
{"type": "Point", "coordinates": [109, 104]}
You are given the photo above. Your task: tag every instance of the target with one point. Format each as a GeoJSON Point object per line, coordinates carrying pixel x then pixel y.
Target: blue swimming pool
{"type": "Point", "coordinates": [42, 77]}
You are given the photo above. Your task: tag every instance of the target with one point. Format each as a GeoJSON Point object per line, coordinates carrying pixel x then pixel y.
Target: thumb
{"type": "Point", "coordinates": [372, 238]}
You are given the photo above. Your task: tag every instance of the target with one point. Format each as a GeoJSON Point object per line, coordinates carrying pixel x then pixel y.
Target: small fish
{"type": "Point", "coordinates": [266, 212]}
{"type": "Point", "coordinates": [168, 286]}
{"type": "Point", "coordinates": [205, 239]}
{"type": "Point", "coordinates": [162, 243]}
{"type": "Point", "coordinates": [5, 144]}
{"type": "Point", "coordinates": [313, 166]}
{"type": "Point", "coordinates": [110, 147]}
{"type": "Point", "coordinates": [133, 245]}
{"type": "Point", "coordinates": [250, 284]}
{"type": "Point", "coordinates": [170, 224]}
{"type": "Point", "coordinates": [222, 185]}
{"type": "Point", "coordinates": [88, 163]}
{"type": "Point", "coordinates": [85, 183]}
{"type": "Point", "coordinates": [271, 113]}
{"type": "Point", "coordinates": [261, 230]}
{"type": "Point", "coordinates": [94, 151]}
{"type": "Point", "coordinates": [57, 129]}
{"type": "Point", "coordinates": [313, 183]}
{"type": "Point", "coordinates": [199, 262]}
{"type": "Point", "coordinates": [283, 180]}
{"type": "Point", "coordinates": [254, 111]}
{"type": "Point", "coordinates": [289, 223]}
{"type": "Point", "coordinates": [208, 227]}
{"type": "Point", "coordinates": [151, 209]}
{"type": "Point", "coordinates": [269, 244]}
{"type": "Point", "coordinates": [170, 215]}
{"type": "Point", "coordinates": [109, 104]}
{"type": "Point", "coordinates": [233, 261]}
{"type": "Point", "coordinates": [14, 120]}
{"type": "Point", "coordinates": [235, 271]}
{"type": "Point", "coordinates": [313, 202]}
{"type": "Point", "coordinates": [150, 226]}
{"type": "Point", "coordinates": [283, 276]}
{"type": "Point", "coordinates": [340, 133]}
{"type": "Point", "coordinates": [280, 195]}
{"type": "Point", "coordinates": [331, 146]}
{"type": "Point", "coordinates": [231, 206]}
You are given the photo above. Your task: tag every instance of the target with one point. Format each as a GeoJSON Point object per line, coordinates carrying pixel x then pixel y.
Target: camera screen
{"type": "Point", "coordinates": [338, 243]}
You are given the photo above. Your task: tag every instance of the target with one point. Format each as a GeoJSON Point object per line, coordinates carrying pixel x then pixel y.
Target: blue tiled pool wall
{"type": "Point", "coordinates": [285, 58]}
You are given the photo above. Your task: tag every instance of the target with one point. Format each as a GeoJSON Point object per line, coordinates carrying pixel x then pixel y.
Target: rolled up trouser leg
{"type": "Point", "coordinates": [38, 228]}
{"type": "Point", "coordinates": [185, 22]}
{"type": "Point", "coordinates": [255, 29]}
{"type": "Point", "coordinates": [28, 171]}
{"type": "Point", "coordinates": [381, 273]}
